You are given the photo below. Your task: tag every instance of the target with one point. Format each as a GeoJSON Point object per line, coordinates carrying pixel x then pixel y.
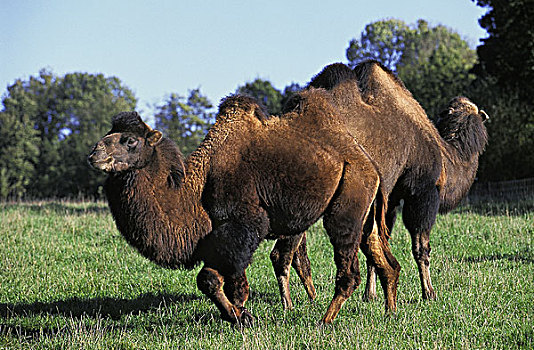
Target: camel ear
{"type": "Point", "coordinates": [484, 116]}
{"type": "Point", "coordinates": [154, 137]}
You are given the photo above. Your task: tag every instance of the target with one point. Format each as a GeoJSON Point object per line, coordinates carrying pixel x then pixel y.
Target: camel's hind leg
{"type": "Point", "coordinates": [379, 256]}
{"type": "Point", "coordinates": [287, 252]}
{"type": "Point", "coordinates": [301, 264]}
{"type": "Point", "coordinates": [343, 222]}
{"type": "Point", "coordinates": [370, 284]}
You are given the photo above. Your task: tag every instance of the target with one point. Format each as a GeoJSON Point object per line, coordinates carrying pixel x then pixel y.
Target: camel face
{"type": "Point", "coordinates": [118, 152]}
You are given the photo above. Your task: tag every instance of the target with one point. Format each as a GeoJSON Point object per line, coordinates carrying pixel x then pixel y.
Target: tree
{"type": "Point", "coordinates": [265, 93]}
{"type": "Point", "coordinates": [384, 41]}
{"type": "Point", "coordinates": [18, 154]}
{"type": "Point", "coordinates": [505, 73]}
{"type": "Point", "coordinates": [433, 62]}
{"type": "Point", "coordinates": [186, 122]}
{"type": "Point", "coordinates": [37, 99]}
{"type": "Point", "coordinates": [510, 151]}
{"type": "Point", "coordinates": [67, 115]}
{"type": "Point", "coordinates": [508, 52]}
{"type": "Point", "coordinates": [435, 66]}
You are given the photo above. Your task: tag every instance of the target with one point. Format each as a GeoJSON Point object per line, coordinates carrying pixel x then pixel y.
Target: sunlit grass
{"type": "Point", "coordinates": [69, 281]}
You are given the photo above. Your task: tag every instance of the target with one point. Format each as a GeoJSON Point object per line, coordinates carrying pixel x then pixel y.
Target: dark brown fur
{"type": "Point", "coordinates": [244, 183]}
{"type": "Point", "coordinates": [429, 168]}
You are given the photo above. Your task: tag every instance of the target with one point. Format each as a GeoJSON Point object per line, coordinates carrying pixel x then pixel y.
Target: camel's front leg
{"type": "Point", "coordinates": [419, 215]}
{"type": "Point", "coordinates": [237, 290]}
{"type": "Point", "coordinates": [211, 282]}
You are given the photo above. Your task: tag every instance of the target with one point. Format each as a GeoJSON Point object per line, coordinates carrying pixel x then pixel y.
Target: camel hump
{"type": "Point", "coordinates": [242, 106]}
{"type": "Point", "coordinates": [372, 68]}
{"type": "Point", "coordinates": [332, 75]}
{"type": "Point", "coordinates": [315, 106]}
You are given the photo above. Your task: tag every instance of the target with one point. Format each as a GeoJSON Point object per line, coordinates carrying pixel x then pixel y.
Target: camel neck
{"type": "Point", "coordinates": [460, 164]}
{"type": "Point", "coordinates": [162, 219]}
{"type": "Point", "coordinates": [198, 163]}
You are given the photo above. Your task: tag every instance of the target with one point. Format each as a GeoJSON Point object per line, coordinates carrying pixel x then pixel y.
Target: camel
{"type": "Point", "coordinates": [243, 184]}
{"type": "Point", "coordinates": [429, 167]}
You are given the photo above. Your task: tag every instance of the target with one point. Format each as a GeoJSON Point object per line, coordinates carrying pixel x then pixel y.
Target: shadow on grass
{"type": "Point", "coordinates": [497, 208]}
{"type": "Point", "coordinates": [524, 256]}
{"type": "Point", "coordinates": [113, 308]}
{"type": "Point", "coordinates": [271, 299]}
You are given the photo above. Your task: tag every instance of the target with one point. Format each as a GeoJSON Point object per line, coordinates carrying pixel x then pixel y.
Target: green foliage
{"type": "Point", "coordinates": [185, 122]}
{"type": "Point", "coordinates": [510, 150]}
{"type": "Point", "coordinates": [435, 66]}
{"type": "Point", "coordinates": [265, 93]}
{"type": "Point", "coordinates": [18, 154]}
{"type": "Point", "coordinates": [433, 62]}
{"type": "Point", "coordinates": [63, 117]}
{"type": "Point", "coordinates": [384, 41]}
{"type": "Point", "coordinates": [504, 88]}
{"type": "Point", "coordinates": [508, 53]}
{"type": "Point", "coordinates": [70, 281]}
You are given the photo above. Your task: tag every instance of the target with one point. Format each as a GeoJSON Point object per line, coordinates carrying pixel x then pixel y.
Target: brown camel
{"type": "Point", "coordinates": [429, 167]}
{"type": "Point", "coordinates": [245, 183]}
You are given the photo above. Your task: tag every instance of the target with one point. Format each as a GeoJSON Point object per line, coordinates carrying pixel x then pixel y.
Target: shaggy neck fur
{"type": "Point", "coordinates": [465, 138]}
{"type": "Point", "coordinates": [157, 208]}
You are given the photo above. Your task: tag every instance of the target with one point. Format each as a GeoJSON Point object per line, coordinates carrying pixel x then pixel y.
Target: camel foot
{"type": "Point", "coordinates": [369, 297]}
{"type": "Point", "coordinates": [245, 319]}
{"type": "Point", "coordinates": [429, 295]}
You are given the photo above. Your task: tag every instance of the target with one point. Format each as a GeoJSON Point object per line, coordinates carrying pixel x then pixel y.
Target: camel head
{"type": "Point", "coordinates": [128, 145]}
{"type": "Point", "coordinates": [461, 107]}
{"type": "Point", "coordinates": [462, 125]}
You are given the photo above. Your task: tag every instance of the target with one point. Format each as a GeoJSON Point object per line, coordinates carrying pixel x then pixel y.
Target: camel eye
{"type": "Point", "coordinates": [131, 142]}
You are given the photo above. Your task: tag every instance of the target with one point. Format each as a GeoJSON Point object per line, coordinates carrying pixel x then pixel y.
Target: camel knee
{"type": "Point", "coordinates": [348, 277]}
{"type": "Point", "coordinates": [209, 281]}
{"type": "Point", "coordinates": [237, 290]}
{"type": "Point", "coordinates": [275, 256]}
{"type": "Point", "coordinates": [346, 284]}
{"type": "Point", "coordinates": [421, 253]}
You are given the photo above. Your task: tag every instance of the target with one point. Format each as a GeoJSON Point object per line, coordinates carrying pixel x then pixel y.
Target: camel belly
{"type": "Point", "coordinates": [287, 182]}
{"type": "Point", "coordinates": [297, 187]}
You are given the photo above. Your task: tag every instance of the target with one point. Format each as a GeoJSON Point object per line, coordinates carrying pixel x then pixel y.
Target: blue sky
{"type": "Point", "coordinates": [160, 47]}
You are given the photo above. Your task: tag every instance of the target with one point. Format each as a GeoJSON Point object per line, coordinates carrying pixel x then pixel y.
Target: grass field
{"type": "Point", "coordinates": [69, 281]}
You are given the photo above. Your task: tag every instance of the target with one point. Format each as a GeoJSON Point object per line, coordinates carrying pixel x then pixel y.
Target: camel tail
{"type": "Point", "coordinates": [381, 204]}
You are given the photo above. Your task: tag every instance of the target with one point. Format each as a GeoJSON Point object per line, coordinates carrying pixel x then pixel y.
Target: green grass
{"type": "Point", "coordinates": [69, 281]}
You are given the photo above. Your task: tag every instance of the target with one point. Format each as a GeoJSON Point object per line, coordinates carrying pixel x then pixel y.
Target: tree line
{"type": "Point", "coordinates": [48, 123]}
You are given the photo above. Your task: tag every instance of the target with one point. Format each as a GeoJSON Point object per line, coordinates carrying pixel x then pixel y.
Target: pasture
{"type": "Point", "coordinates": [68, 280]}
